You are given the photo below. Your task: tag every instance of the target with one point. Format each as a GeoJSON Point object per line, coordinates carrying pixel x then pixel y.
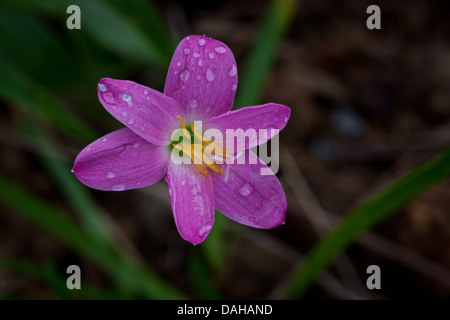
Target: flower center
{"type": "Point", "coordinates": [199, 149]}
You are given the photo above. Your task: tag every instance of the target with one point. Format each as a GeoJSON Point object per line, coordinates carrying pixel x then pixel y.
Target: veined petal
{"type": "Point", "coordinates": [271, 117]}
{"type": "Point", "coordinates": [192, 199]}
{"type": "Point", "coordinates": [121, 160]}
{"type": "Point", "coordinates": [147, 112]}
{"type": "Point", "coordinates": [202, 77]}
{"type": "Point", "coordinates": [245, 196]}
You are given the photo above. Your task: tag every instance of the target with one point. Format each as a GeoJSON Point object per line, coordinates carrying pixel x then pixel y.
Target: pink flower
{"type": "Point", "coordinates": [200, 85]}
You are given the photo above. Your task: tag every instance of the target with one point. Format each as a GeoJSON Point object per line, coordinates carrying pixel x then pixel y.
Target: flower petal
{"type": "Point", "coordinates": [202, 77]}
{"type": "Point", "coordinates": [147, 112]}
{"type": "Point", "coordinates": [119, 161]}
{"type": "Point", "coordinates": [245, 196]}
{"type": "Point", "coordinates": [268, 116]}
{"type": "Point", "coordinates": [192, 199]}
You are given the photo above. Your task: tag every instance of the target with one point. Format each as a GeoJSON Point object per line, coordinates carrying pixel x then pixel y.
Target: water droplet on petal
{"type": "Point", "coordinates": [245, 189]}
{"type": "Point", "coordinates": [131, 121]}
{"type": "Point", "coordinates": [201, 42]}
{"type": "Point", "coordinates": [102, 87]}
{"type": "Point", "coordinates": [145, 91]}
{"type": "Point", "coordinates": [184, 75]}
{"type": "Point", "coordinates": [196, 54]}
{"type": "Point", "coordinates": [124, 113]}
{"type": "Point", "coordinates": [126, 97]}
{"type": "Point", "coordinates": [203, 230]}
{"type": "Point", "coordinates": [199, 77]}
{"type": "Point", "coordinates": [193, 103]}
{"type": "Point", "coordinates": [234, 87]}
{"type": "Point", "coordinates": [210, 75]}
{"type": "Point", "coordinates": [220, 49]}
{"type": "Point", "coordinates": [233, 71]}
{"type": "Point", "coordinates": [200, 62]}
{"type": "Point", "coordinates": [110, 175]}
{"type": "Point", "coordinates": [187, 51]}
{"type": "Point", "coordinates": [118, 187]}
{"type": "Point", "coordinates": [211, 55]}
{"type": "Point", "coordinates": [183, 182]}
{"type": "Point", "coordinates": [104, 140]}
{"type": "Point", "coordinates": [178, 64]}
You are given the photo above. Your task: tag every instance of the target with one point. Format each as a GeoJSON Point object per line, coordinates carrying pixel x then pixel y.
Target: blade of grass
{"type": "Point", "coordinates": [108, 26]}
{"type": "Point", "coordinates": [200, 277]}
{"type": "Point", "coordinates": [48, 273]}
{"type": "Point", "coordinates": [77, 196]}
{"type": "Point", "coordinates": [21, 91]}
{"type": "Point", "coordinates": [279, 18]}
{"type": "Point", "coordinates": [132, 275]}
{"type": "Point", "coordinates": [365, 216]}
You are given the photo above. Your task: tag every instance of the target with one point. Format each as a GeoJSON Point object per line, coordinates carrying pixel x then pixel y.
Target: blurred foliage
{"type": "Point", "coordinates": [47, 69]}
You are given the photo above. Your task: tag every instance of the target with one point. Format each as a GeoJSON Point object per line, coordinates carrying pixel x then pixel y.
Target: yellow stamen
{"type": "Point", "coordinates": [217, 149]}
{"type": "Point", "coordinates": [196, 152]}
{"type": "Point", "coordinates": [185, 131]}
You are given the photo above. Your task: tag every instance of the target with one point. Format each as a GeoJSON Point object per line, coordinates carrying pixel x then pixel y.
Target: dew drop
{"type": "Point", "coordinates": [201, 42]}
{"type": "Point", "coordinates": [200, 62]}
{"type": "Point", "coordinates": [145, 91]}
{"type": "Point", "coordinates": [210, 75]}
{"type": "Point", "coordinates": [203, 230]}
{"type": "Point", "coordinates": [131, 121]}
{"type": "Point", "coordinates": [234, 87]}
{"type": "Point", "coordinates": [184, 75]}
{"type": "Point", "coordinates": [245, 189]}
{"type": "Point", "coordinates": [193, 103]}
{"type": "Point", "coordinates": [102, 87]}
{"type": "Point", "coordinates": [199, 77]}
{"type": "Point", "coordinates": [110, 175]}
{"type": "Point", "coordinates": [126, 97]}
{"type": "Point", "coordinates": [124, 113]}
{"type": "Point", "coordinates": [233, 71]}
{"type": "Point", "coordinates": [178, 64]}
{"type": "Point", "coordinates": [104, 140]}
{"type": "Point", "coordinates": [187, 51]}
{"type": "Point", "coordinates": [220, 49]}
{"type": "Point", "coordinates": [211, 55]}
{"type": "Point", "coordinates": [118, 187]}
{"type": "Point", "coordinates": [196, 54]}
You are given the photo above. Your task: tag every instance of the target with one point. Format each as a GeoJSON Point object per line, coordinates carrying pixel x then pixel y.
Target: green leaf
{"type": "Point", "coordinates": [365, 216]}
{"type": "Point", "coordinates": [257, 66]}
{"type": "Point", "coordinates": [20, 90]}
{"type": "Point", "coordinates": [125, 270]}
{"type": "Point", "coordinates": [201, 278]}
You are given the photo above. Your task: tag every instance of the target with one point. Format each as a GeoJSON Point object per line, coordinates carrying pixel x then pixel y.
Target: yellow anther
{"type": "Point", "coordinates": [185, 131]}
{"type": "Point", "coordinates": [196, 152]}
{"type": "Point", "coordinates": [217, 149]}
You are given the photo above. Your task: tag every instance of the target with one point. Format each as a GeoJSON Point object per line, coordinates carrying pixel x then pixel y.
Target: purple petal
{"type": "Point", "coordinates": [192, 199]}
{"type": "Point", "coordinates": [271, 116]}
{"type": "Point", "coordinates": [147, 112]}
{"type": "Point", "coordinates": [202, 77]}
{"type": "Point", "coordinates": [119, 161]}
{"type": "Point", "coordinates": [244, 195]}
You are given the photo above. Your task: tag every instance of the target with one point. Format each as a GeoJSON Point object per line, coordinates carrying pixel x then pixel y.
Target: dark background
{"type": "Point", "coordinates": [367, 106]}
